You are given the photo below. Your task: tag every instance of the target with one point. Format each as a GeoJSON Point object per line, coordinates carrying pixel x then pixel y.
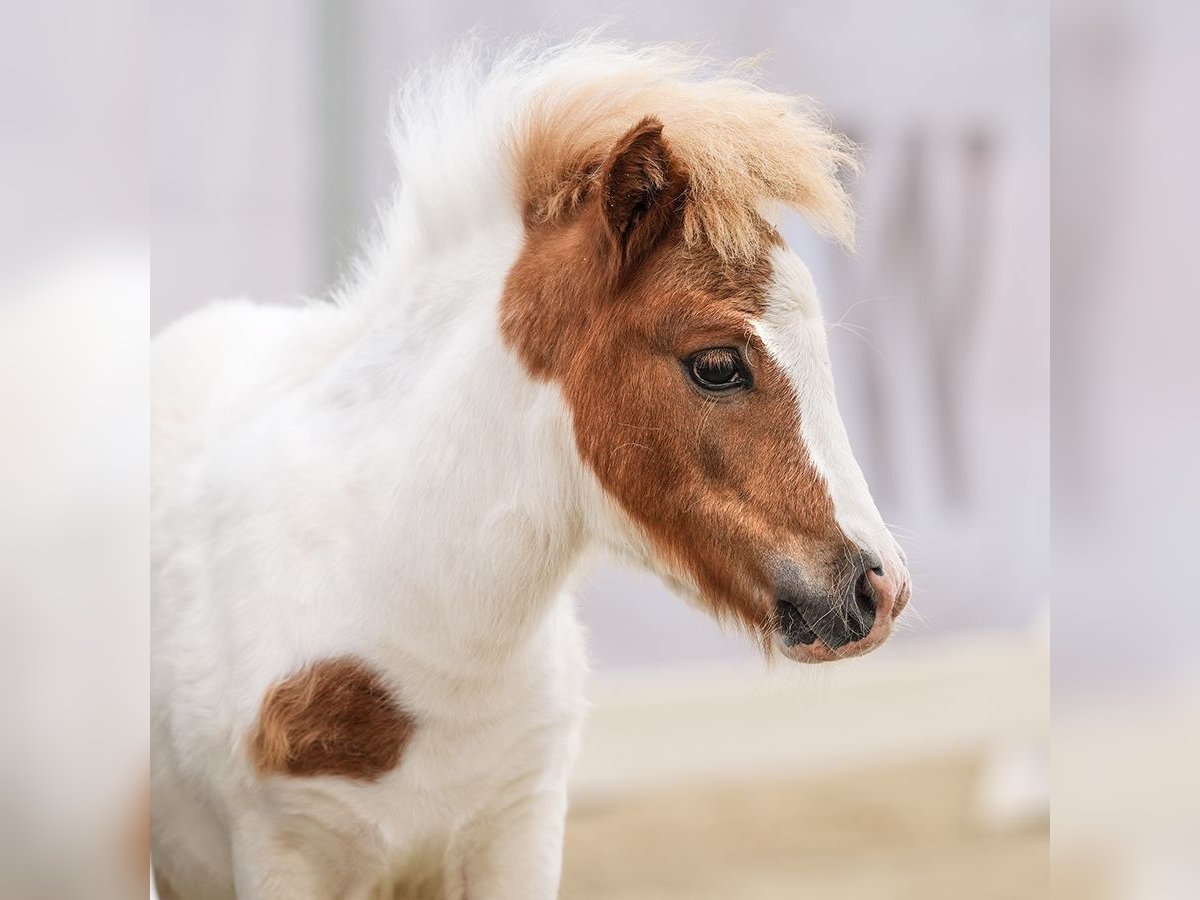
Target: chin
{"type": "Point", "coordinates": [820, 652]}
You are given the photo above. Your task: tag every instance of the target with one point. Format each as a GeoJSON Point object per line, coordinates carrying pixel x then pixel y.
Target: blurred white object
{"type": "Point", "coordinates": [1014, 787]}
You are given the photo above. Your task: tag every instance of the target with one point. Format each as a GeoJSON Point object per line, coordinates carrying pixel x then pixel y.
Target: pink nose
{"type": "Point", "coordinates": [889, 590]}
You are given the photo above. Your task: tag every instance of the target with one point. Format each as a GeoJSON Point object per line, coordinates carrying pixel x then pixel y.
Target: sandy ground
{"type": "Point", "coordinates": [883, 834]}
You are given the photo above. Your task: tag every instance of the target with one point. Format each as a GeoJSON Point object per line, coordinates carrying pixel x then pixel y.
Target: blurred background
{"type": "Point", "coordinates": [158, 154]}
{"type": "Point", "coordinates": [269, 159]}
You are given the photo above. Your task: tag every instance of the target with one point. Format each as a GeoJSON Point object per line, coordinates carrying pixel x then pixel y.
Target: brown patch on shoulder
{"type": "Point", "coordinates": [334, 717]}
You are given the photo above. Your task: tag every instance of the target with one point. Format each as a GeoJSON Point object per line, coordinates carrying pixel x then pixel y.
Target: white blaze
{"type": "Point", "coordinates": [793, 332]}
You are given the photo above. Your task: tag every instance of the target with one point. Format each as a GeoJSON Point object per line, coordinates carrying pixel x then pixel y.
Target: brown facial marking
{"type": "Point", "coordinates": [609, 302]}
{"type": "Point", "coordinates": [334, 717]}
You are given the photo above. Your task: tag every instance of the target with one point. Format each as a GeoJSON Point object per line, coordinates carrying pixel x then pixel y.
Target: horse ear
{"type": "Point", "coordinates": [637, 199]}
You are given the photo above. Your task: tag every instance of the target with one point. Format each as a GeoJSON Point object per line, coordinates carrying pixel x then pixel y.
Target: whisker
{"type": "Point", "coordinates": [857, 303]}
{"type": "Point", "coordinates": [860, 337]}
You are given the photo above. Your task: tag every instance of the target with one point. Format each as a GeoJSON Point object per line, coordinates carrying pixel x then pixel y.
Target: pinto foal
{"type": "Point", "coordinates": [578, 328]}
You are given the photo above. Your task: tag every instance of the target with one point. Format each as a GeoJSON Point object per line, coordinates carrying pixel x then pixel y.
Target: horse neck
{"type": "Point", "coordinates": [481, 523]}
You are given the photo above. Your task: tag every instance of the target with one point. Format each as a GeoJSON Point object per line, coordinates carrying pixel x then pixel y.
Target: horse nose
{"type": "Point", "coordinates": [839, 617]}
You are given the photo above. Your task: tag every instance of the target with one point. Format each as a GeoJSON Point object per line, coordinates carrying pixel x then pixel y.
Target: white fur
{"type": "Point", "coordinates": [328, 482]}
{"type": "Point", "coordinates": [381, 477]}
{"type": "Point", "coordinates": [793, 331]}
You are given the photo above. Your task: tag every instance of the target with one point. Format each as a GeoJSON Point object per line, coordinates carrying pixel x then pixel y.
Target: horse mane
{"type": "Point", "coordinates": [534, 123]}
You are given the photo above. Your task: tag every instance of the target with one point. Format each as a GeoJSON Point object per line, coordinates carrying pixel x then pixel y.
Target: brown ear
{"type": "Point", "coordinates": [637, 195]}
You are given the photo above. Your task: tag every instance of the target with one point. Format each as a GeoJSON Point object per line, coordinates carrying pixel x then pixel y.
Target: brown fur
{"type": "Point", "coordinates": [334, 717]}
{"type": "Point", "coordinates": [722, 486]}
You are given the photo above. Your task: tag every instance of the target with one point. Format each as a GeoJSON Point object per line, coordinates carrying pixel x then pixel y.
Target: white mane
{"type": "Point", "coordinates": [521, 133]}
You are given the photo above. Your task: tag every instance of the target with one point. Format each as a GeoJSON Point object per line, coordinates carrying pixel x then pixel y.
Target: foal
{"type": "Point", "coordinates": [578, 328]}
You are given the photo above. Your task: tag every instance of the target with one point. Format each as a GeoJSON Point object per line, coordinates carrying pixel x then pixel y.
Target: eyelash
{"type": "Point", "coordinates": [739, 377]}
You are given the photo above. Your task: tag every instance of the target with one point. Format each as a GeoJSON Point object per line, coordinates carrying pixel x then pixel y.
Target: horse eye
{"type": "Point", "coordinates": [719, 369]}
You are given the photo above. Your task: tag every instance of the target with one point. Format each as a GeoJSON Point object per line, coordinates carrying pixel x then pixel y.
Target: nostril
{"type": "Point", "coordinates": [864, 592]}
{"type": "Point", "coordinates": [861, 616]}
{"type": "Point", "coordinates": [872, 562]}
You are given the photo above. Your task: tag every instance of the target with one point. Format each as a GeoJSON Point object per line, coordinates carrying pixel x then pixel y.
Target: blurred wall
{"type": "Point", "coordinates": [270, 153]}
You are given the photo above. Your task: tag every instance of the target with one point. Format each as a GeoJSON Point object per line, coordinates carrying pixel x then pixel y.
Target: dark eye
{"type": "Point", "coordinates": [718, 370]}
